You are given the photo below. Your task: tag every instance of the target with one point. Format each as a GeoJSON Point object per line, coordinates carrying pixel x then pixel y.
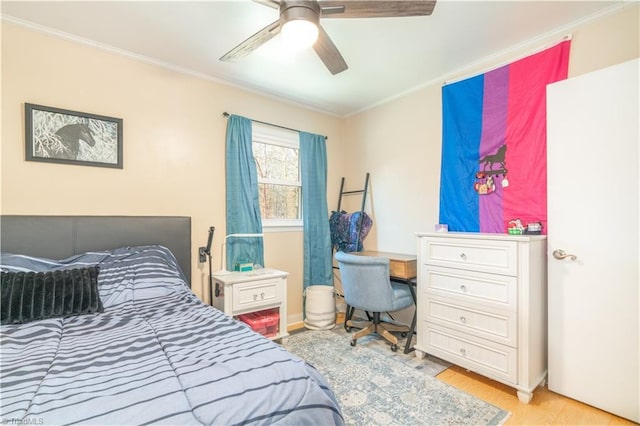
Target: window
{"type": "Point", "coordinates": [277, 155]}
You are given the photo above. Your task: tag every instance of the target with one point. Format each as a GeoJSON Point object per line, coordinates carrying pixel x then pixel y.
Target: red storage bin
{"type": "Point", "coordinates": [264, 322]}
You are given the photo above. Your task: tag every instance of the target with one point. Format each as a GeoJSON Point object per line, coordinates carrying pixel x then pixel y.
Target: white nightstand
{"type": "Point", "coordinates": [244, 292]}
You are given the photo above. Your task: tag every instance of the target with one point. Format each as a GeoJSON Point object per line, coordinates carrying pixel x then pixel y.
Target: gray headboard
{"type": "Point", "coordinates": [58, 237]}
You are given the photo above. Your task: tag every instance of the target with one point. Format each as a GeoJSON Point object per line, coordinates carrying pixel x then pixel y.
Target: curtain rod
{"type": "Point", "coordinates": [226, 115]}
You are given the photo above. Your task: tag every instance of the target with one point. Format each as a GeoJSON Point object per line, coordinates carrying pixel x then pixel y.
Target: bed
{"type": "Point", "coordinates": [148, 351]}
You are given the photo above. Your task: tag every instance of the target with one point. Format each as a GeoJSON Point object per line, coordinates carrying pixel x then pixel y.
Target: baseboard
{"type": "Point", "coordinates": [295, 326]}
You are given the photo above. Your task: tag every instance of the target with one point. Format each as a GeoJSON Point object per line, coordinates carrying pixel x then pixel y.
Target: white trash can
{"type": "Point", "coordinates": [320, 307]}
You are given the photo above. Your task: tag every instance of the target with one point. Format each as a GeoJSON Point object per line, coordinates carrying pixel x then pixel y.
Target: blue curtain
{"type": "Point", "coordinates": [243, 208]}
{"type": "Point", "coordinates": [318, 269]}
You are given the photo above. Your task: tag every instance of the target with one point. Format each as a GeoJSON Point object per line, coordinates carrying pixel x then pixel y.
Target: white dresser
{"type": "Point", "coordinates": [244, 292]}
{"type": "Point", "coordinates": [482, 305]}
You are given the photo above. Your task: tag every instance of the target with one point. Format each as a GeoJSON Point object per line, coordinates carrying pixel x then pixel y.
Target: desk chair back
{"type": "Point", "coordinates": [367, 286]}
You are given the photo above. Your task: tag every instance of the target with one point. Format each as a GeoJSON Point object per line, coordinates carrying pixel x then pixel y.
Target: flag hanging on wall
{"type": "Point", "coordinates": [494, 156]}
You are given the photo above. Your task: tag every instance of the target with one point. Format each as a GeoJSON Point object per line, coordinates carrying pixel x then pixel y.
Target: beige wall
{"type": "Point", "coordinates": [173, 143]}
{"type": "Point", "coordinates": [399, 143]}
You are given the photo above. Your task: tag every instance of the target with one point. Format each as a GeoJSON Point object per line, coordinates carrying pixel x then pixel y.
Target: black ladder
{"type": "Point", "coordinates": [363, 191]}
{"type": "Point", "coordinates": [364, 200]}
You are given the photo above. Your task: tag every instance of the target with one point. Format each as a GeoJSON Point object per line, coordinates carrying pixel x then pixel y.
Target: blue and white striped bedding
{"type": "Point", "coordinates": [156, 355]}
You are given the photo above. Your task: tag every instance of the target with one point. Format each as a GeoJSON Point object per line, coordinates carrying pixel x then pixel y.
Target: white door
{"type": "Point", "coordinates": [593, 192]}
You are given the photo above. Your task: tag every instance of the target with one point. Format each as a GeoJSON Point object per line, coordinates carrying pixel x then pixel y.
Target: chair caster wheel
{"type": "Point", "coordinates": [353, 343]}
{"type": "Point", "coordinates": [403, 334]}
{"type": "Point", "coordinates": [394, 348]}
{"type": "Point", "coordinates": [348, 329]}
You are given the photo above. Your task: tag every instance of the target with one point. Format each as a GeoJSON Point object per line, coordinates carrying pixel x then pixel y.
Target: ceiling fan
{"type": "Point", "coordinates": [307, 13]}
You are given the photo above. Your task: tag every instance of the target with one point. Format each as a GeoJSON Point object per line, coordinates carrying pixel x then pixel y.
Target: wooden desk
{"type": "Point", "coordinates": [402, 267]}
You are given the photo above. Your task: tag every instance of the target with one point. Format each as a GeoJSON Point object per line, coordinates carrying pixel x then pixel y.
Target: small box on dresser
{"type": "Point", "coordinates": [482, 305]}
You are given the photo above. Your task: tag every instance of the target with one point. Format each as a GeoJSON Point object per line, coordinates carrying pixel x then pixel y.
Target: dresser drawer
{"type": "Point", "coordinates": [484, 255]}
{"type": "Point", "coordinates": [497, 325]}
{"type": "Point", "coordinates": [475, 287]}
{"type": "Point", "coordinates": [484, 357]}
{"type": "Point", "coordinates": [256, 294]}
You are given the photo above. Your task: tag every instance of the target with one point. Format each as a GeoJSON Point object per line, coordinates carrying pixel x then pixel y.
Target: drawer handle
{"type": "Point", "coordinates": [463, 320]}
{"type": "Point", "coordinates": [262, 295]}
{"type": "Point", "coordinates": [463, 256]}
{"type": "Point", "coordinates": [255, 297]}
{"type": "Point", "coordinates": [463, 288]}
{"type": "Point", "coordinates": [463, 352]}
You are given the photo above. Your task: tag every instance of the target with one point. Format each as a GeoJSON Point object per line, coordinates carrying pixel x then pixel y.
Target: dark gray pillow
{"type": "Point", "coordinates": [30, 296]}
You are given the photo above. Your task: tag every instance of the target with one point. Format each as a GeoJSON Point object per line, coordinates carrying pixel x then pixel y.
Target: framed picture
{"type": "Point", "coordinates": [61, 136]}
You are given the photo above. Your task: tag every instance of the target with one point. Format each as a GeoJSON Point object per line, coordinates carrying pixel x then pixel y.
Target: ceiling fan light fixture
{"type": "Point", "coordinates": [300, 22]}
{"type": "Point", "coordinates": [299, 34]}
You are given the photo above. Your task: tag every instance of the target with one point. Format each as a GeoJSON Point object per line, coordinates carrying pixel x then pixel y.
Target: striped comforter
{"type": "Point", "coordinates": [156, 355]}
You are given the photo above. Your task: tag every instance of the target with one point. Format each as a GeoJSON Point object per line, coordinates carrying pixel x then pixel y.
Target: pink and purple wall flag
{"type": "Point", "coordinates": [494, 152]}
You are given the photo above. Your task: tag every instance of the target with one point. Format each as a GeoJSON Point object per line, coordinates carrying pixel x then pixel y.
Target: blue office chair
{"type": "Point", "coordinates": [367, 286]}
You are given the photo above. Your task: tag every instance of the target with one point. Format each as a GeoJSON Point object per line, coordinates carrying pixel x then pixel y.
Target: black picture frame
{"type": "Point", "coordinates": [56, 135]}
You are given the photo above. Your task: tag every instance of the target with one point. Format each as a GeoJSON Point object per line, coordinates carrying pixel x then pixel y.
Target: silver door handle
{"type": "Point", "coordinates": [560, 254]}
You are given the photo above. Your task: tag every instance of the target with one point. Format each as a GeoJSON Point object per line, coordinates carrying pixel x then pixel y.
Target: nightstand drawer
{"type": "Point", "coordinates": [474, 287]}
{"type": "Point", "coordinates": [496, 325]}
{"type": "Point", "coordinates": [491, 256]}
{"type": "Point", "coordinates": [256, 294]}
{"type": "Point", "coordinates": [483, 357]}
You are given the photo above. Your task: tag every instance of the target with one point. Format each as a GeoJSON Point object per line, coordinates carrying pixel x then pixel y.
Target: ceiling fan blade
{"type": "Point", "coordinates": [375, 8]}
{"type": "Point", "coordinates": [269, 3]}
{"type": "Point", "coordinates": [328, 52]}
{"type": "Point", "coordinates": [252, 43]}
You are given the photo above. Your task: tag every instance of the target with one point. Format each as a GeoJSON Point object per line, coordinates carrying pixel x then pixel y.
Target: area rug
{"type": "Point", "coordinates": [377, 386]}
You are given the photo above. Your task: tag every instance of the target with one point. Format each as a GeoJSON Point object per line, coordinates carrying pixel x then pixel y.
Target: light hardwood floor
{"type": "Point", "coordinates": [546, 407]}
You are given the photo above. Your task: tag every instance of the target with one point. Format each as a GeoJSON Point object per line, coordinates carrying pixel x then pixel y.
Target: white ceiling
{"type": "Point", "coordinates": [386, 56]}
